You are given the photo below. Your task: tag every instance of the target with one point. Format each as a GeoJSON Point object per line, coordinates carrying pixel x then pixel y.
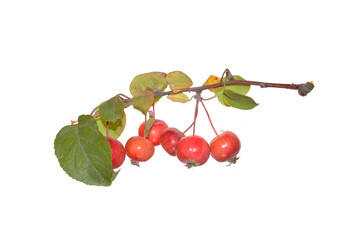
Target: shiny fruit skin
{"type": "Point", "coordinates": [225, 147]}
{"type": "Point", "coordinates": [118, 152]}
{"type": "Point", "coordinates": [169, 140]}
{"type": "Point", "coordinates": [155, 131]}
{"type": "Point", "coordinates": [139, 149]}
{"type": "Point", "coordinates": [193, 150]}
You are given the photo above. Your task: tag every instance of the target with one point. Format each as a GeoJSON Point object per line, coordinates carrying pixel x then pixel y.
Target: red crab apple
{"type": "Point", "coordinates": [169, 140]}
{"type": "Point", "coordinates": [193, 151]}
{"type": "Point", "coordinates": [154, 132]}
{"type": "Point", "coordinates": [225, 147]}
{"type": "Point", "coordinates": [139, 149]}
{"type": "Point", "coordinates": [118, 152]}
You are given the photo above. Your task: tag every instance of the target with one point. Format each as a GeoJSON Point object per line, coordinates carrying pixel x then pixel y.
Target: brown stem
{"type": "Point", "coordinates": [123, 95]}
{"type": "Point", "coordinates": [303, 89]}
{"type": "Point", "coordinates": [92, 113]}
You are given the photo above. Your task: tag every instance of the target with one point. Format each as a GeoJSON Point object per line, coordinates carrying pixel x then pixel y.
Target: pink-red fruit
{"type": "Point", "coordinates": [154, 132]}
{"type": "Point", "coordinates": [139, 149]}
{"type": "Point", "coordinates": [169, 140]}
{"type": "Point", "coordinates": [118, 152]}
{"type": "Point", "coordinates": [193, 151]}
{"type": "Point", "coordinates": [225, 147]}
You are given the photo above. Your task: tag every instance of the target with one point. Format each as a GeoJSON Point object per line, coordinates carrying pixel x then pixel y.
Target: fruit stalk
{"type": "Point", "coordinates": [197, 96]}
{"type": "Point", "coordinates": [209, 118]}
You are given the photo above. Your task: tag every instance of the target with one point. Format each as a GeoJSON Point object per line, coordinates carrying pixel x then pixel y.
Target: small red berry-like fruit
{"type": "Point", "coordinates": [225, 147]}
{"type": "Point", "coordinates": [118, 152]}
{"type": "Point", "coordinates": [139, 149]}
{"type": "Point", "coordinates": [169, 140]}
{"type": "Point", "coordinates": [193, 151]}
{"type": "Point", "coordinates": [154, 132]}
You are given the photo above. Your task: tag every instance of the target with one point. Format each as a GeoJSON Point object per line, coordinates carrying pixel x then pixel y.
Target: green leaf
{"type": "Point", "coordinates": [242, 89]}
{"type": "Point", "coordinates": [148, 81]}
{"type": "Point", "coordinates": [221, 100]}
{"type": "Point", "coordinates": [153, 81]}
{"type": "Point", "coordinates": [179, 97]}
{"type": "Point", "coordinates": [112, 109]}
{"type": "Point", "coordinates": [143, 101]}
{"type": "Point", "coordinates": [237, 88]}
{"type": "Point", "coordinates": [178, 80]}
{"type": "Point", "coordinates": [115, 174]}
{"type": "Point", "coordinates": [116, 128]}
{"type": "Point", "coordinates": [237, 100]}
{"type": "Point", "coordinates": [84, 153]}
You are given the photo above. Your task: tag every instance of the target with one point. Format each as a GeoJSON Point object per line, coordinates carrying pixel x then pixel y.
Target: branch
{"type": "Point", "coordinates": [303, 89]}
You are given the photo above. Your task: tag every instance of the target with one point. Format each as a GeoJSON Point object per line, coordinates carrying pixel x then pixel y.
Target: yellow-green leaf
{"type": "Point", "coordinates": [179, 97]}
{"type": "Point", "coordinates": [148, 81]}
{"type": "Point", "coordinates": [115, 128]}
{"type": "Point", "coordinates": [221, 100]}
{"type": "Point", "coordinates": [178, 80]}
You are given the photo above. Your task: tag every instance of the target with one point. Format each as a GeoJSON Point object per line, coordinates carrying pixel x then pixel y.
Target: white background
{"type": "Point", "coordinates": [298, 176]}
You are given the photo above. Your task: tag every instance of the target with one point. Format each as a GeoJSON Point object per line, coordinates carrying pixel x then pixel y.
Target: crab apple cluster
{"type": "Point", "coordinates": [192, 150]}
